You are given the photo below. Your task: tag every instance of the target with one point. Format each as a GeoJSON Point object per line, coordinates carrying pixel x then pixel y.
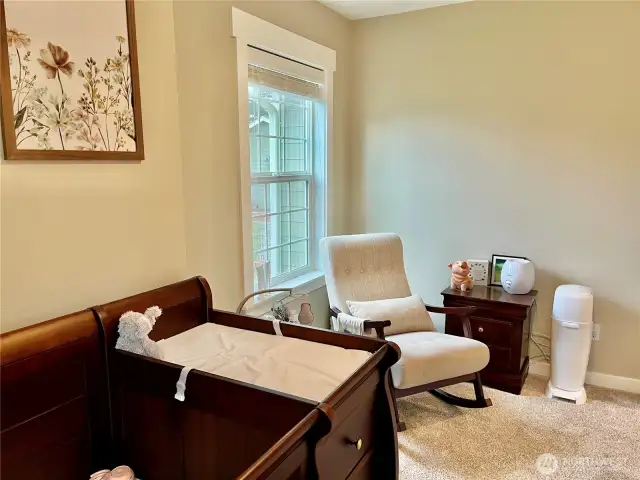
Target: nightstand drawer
{"type": "Point", "coordinates": [487, 310]}
{"type": "Point", "coordinates": [499, 359]}
{"type": "Point", "coordinates": [486, 330]}
{"type": "Point", "coordinates": [491, 332]}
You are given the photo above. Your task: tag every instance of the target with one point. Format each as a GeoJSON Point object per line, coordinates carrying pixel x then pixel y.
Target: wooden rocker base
{"type": "Point", "coordinates": [433, 388]}
{"type": "Point", "coordinates": [461, 402]}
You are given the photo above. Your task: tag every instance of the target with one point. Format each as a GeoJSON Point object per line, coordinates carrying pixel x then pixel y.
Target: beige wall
{"type": "Point", "coordinates": [77, 234]}
{"type": "Point", "coordinates": [509, 127]}
{"type": "Point", "coordinates": [208, 85]}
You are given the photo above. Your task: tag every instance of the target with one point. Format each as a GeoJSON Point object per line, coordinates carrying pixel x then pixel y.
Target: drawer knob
{"type": "Point", "coordinates": [480, 329]}
{"type": "Point", "coordinates": [357, 443]}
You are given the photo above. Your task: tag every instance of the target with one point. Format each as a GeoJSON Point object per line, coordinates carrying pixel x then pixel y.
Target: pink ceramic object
{"type": "Point", "coordinates": [119, 473]}
{"type": "Point", "coordinates": [101, 475]}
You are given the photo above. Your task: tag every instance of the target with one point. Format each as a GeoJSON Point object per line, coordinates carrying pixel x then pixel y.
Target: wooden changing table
{"type": "Point", "coordinates": [227, 429]}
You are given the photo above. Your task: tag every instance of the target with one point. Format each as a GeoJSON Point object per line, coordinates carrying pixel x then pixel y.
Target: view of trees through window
{"type": "Point", "coordinates": [281, 151]}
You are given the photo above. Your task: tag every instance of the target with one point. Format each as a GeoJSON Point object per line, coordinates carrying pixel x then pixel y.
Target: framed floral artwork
{"type": "Point", "coordinates": [69, 81]}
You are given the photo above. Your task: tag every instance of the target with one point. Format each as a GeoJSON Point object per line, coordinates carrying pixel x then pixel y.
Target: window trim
{"type": "Point", "coordinates": [249, 30]}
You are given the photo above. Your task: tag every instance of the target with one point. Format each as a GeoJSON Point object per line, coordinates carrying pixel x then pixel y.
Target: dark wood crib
{"type": "Point", "coordinates": [228, 429]}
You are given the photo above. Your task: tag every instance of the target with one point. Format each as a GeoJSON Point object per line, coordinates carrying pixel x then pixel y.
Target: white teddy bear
{"type": "Point", "coordinates": [133, 330]}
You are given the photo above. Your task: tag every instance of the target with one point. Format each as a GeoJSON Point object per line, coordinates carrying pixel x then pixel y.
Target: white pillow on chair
{"type": "Point", "coordinates": [406, 314]}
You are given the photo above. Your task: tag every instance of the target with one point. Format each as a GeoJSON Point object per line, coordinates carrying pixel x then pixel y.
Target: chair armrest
{"type": "Point", "coordinates": [377, 325]}
{"type": "Point", "coordinates": [450, 310]}
{"type": "Point", "coordinates": [462, 312]}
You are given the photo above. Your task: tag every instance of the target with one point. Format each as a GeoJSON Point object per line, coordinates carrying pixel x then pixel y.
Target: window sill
{"type": "Point", "coordinates": [301, 285]}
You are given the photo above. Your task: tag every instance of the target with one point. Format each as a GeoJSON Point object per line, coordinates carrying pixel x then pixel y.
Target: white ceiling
{"type": "Point", "coordinates": [358, 9]}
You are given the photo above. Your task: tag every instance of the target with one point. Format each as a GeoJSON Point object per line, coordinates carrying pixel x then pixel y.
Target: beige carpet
{"type": "Point", "coordinates": [599, 440]}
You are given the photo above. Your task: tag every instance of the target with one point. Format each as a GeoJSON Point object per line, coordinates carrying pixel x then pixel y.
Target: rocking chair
{"type": "Point", "coordinates": [366, 272]}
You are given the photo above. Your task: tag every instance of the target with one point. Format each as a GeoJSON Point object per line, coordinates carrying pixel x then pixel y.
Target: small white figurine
{"type": "Point", "coordinates": [134, 331]}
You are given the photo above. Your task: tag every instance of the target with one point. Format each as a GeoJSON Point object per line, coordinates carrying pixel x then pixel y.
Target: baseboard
{"type": "Point", "coordinates": [542, 369]}
{"type": "Point", "coordinates": [631, 385]}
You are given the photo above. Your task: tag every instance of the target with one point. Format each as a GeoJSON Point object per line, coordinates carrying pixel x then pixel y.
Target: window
{"type": "Point", "coordinates": [286, 128]}
{"type": "Point", "coordinates": [284, 90]}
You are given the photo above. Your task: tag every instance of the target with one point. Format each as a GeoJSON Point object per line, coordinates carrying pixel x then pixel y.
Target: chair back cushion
{"type": "Point", "coordinates": [406, 314]}
{"type": "Point", "coordinates": [363, 268]}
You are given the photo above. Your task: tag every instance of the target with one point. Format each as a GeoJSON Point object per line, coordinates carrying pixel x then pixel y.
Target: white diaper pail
{"type": "Point", "coordinates": [572, 324]}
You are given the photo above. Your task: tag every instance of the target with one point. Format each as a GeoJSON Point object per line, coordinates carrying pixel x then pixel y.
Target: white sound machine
{"type": "Point", "coordinates": [518, 276]}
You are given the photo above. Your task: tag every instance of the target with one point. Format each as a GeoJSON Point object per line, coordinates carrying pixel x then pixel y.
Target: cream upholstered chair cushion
{"type": "Point", "coordinates": [363, 268]}
{"type": "Point", "coordinates": [406, 314]}
{"type": "Point", "coordinates": [431, 356]}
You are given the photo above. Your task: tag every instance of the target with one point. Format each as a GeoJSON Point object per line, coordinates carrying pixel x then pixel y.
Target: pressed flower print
{"type": "Point", "coordinates": [55, 59]}
{"type": "Point", "coordinates": [17, 39]}
{"type": "Point", "coordinates": [71, 76]}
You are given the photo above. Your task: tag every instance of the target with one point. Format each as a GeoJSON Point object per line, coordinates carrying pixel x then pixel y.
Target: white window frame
{"type": "Point", "coordinates": [249, 30]}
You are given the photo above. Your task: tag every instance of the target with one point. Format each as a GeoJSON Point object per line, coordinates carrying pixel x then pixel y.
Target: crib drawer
{"type": "Point", "coordinates": [366, 468]}
{"type": "Point", "coordinates": [353, 434]}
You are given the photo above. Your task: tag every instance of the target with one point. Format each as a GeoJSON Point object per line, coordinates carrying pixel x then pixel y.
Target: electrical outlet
{"type": "Point", "coordinates": [595, 333]}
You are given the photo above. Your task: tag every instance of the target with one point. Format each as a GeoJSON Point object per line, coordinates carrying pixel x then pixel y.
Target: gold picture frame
{"type": "Point", "coordinates": [98, 116]}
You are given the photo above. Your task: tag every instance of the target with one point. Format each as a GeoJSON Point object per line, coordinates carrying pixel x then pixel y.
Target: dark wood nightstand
{"type": "Point", "coordinates": [503, 323]}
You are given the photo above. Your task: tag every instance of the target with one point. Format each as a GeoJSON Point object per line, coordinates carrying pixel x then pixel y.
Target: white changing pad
{"type": "Point", "coordinates": [289, 365]}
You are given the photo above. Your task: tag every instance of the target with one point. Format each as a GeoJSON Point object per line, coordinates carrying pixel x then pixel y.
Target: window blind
{"type": "Point", "coordinates": [283, 82]}
{"type": "Point", "coordinates": [285, 75]}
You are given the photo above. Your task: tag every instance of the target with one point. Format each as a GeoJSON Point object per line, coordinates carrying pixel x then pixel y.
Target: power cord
{"type": "Point", "coordinates": [541, 346]}
{"type": "Point", "coordinates": [543, 354]}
